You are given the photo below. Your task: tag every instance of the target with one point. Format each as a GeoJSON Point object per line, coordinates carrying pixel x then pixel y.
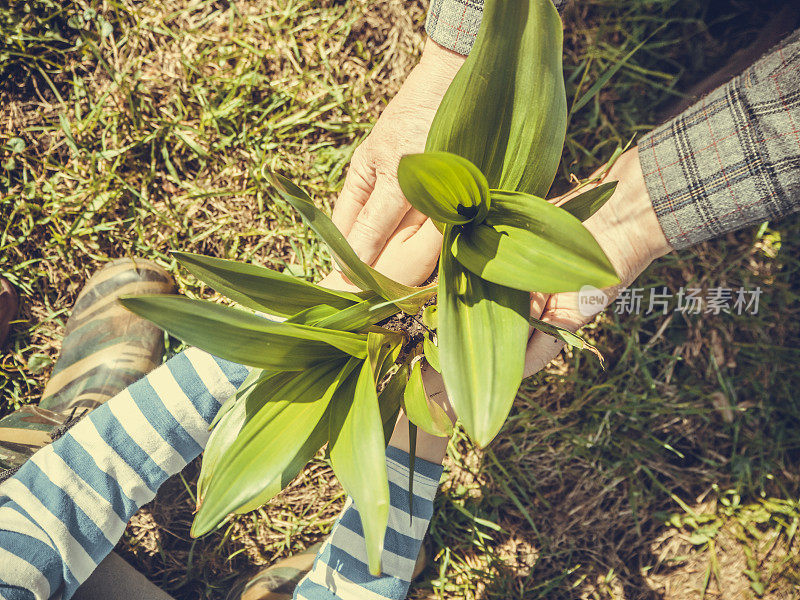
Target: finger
{"type": "Point", "coordinates": [540, 351]}
{"type": "Point", "coordinates": [561, 310]}
{"type": "Point", "coordinates": [538, 305]}
{"type": "Point", "coordinates": [358, 185]}
{"type": "Point", "coordinates": [337, 281]}
{"type": "Point", "coordinates": [411, 254]}
{"type": "Point", "coordinates": [378, 219]}
{"type": "Point", "coordinates": [409, 226]}
{"type": "Point", "coordinates": [415, 243]}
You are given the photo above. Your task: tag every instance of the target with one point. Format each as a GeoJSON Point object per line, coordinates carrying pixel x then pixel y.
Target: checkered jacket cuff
{"type": "Point", "coordinates": [732, 159]}
{"type": "Point", "coordinates": [454, 23]}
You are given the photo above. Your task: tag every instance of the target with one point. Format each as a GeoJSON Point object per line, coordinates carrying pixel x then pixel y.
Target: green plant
{"type": "Point", "coordinates": [333, 372]}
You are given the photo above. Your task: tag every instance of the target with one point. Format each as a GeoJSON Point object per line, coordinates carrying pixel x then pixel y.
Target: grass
{"type": "Point", "coordinates": [128, 129]}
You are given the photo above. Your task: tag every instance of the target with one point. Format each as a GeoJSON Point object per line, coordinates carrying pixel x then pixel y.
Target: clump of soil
{"type": "Point", "coordinates": [410, 325]}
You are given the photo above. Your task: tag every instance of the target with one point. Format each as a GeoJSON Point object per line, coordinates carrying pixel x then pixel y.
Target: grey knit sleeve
{"type": "Point", "coordinates": [454, 23]}
{"type": "Point", "coordinates": [733, 158]}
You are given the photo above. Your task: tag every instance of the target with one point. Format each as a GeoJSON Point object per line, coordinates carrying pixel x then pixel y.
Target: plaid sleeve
{"type": "Point", "coordinates": [454, 23]}
{"type": "Point", "coordinates": [732, 159]}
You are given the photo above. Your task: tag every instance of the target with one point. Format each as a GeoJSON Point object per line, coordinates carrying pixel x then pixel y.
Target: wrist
{"type": "Point", "coordinates": [627, 226]}
{"type": "Point", "coordinates": [439, 64]}
{"type": "Point", "coordinates": [645, 225]}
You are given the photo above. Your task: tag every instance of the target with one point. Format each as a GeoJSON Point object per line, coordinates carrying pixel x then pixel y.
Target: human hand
{"type": "Point", "coordinates": [371, 210]}
{"type": "Point", "coordinates": [627, 229]}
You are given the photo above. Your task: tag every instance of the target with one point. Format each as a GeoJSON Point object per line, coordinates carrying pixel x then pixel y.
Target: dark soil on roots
{"type": "Point", "coordinates": [410, 326]}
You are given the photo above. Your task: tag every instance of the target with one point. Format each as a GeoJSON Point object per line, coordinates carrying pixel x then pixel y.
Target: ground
{"type": "Point", "coordinates": [132, 128]}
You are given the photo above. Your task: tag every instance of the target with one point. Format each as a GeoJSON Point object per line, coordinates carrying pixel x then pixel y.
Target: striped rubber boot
{"type": "Point", "coordinates": [105, 349]}
{"type": "Point", "coordinates": [9, 303]}
{"type": "Point", "coordinates": [277, 582]}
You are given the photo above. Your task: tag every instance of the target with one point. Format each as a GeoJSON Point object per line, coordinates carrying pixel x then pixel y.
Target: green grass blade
{"type": "Point", "coordinates": [608, 74]}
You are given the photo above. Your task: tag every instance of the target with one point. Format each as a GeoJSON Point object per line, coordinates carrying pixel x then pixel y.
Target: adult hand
{"type": "Point", "coordinates": [371, 210]}
{"type": "Point", "coordinates": [627, 229]}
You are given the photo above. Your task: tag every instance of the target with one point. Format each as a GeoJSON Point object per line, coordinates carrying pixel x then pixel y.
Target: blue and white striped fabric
{"type": "Point", "coordinates": [340, 569]}
{"type": "Point", "coordinates": [66, 508]}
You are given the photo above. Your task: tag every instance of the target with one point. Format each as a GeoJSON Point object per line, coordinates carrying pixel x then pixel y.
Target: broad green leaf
{"type": "Point", "coordinates": [444, 186]}
{"type": "Point", "coordinates": [353, 318]}
{"type": "Point", "coordinates": [529, 244]}
{"type": "Point", "coordinates": [276, 427]}
{"type": "Point", "coordinates": [358, 458]}
{"type": "Point", "coordinates": [252, 377]}
{"type": "Point", "coordinates": [222, 436]}
{"type": "Point", "coordinates": [381, 348]}
{"type": "Point", "coordinates": [589, 202]}
{"type": "Point", "coordinates": [359, 272]}
{"type": "Point", "coordinates": [429, 317]}
{"type": "Point", "coordinates": [566, 336]}
{"type": "Point", "coordinates": [256, 389]}
{"type": "Point", "coordinates": [482, 335]}
{"type": "Point", "coordinates": [390, 400]}
{"type": "Point", "coordinates": [312, 316]}
{"type": "Point", "coordinates": [243, 337]}
{"type": "Point", "coordinates": [431, 354]}
{"type": "Point", "coordinates": [260, 288]}
{"type": "Point", "coordinates": [419, 293]}
{"type": "Point", "coordinates": [506, 109]}
{"type": "Point", "coordinates": [359, 316]}
{"type": "Point", "coordinates": [310, 447]}
{"type": "Point", "coordinates": [426, 415]}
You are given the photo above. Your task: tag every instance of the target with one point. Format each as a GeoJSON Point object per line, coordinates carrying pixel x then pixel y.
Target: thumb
{"type": "Point", "coordinates": [561, 311]}
{"type": "Point", "coordinates": [337, 281]}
